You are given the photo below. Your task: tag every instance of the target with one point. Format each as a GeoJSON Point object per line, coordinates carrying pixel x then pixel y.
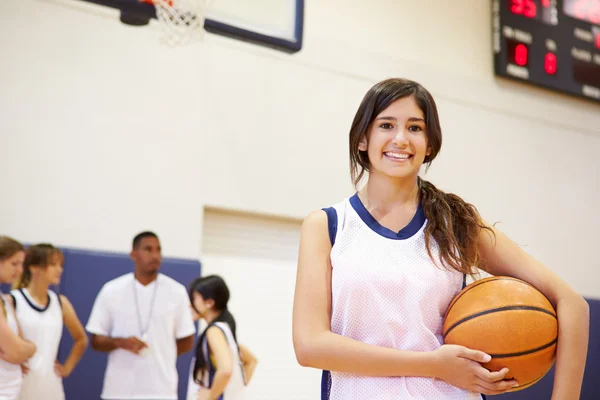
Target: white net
{"type": "Point", "coordinates": [181, 21]}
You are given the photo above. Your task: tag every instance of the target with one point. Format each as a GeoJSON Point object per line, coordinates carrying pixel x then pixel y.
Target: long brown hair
{"type": "Point", "coordinates": [453, 224]}
{"type": "Point", "coordinates": [39, 255]}
{"type": "Point", "coordinates": [9, 247]}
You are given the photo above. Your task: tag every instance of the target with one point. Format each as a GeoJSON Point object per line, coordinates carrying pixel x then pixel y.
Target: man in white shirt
{"type": "Point", "coordinates": [143, 320]}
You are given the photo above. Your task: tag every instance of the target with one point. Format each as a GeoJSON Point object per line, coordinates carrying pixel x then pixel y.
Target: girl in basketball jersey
{"type": "Point", "coordinates": [41, 314]}
{"type": "Point", "coordinates": [377, 271]}
{"type": "Point", "coordinates": [14, 350]}
{"type": "Point", "coordinates": [221, 368]}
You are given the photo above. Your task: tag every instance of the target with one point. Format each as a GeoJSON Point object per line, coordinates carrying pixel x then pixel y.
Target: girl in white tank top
{"type": "Point", "coordinates": [377, 271]}
{"type": "Point", "coordinates": [220, 369]}
{"type": "Point", "coordinates": [13, 349]}
{"type": "Point", "coordinates": [41, 314]}
{"type": "Point", "coordinates": [10, 374]}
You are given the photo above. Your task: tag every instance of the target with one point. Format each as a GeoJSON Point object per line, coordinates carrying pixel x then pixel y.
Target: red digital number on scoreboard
{"type": "Point", "coordinates": [527, 8]}
{"type": "Point", "coordinates": [550, 63]}
{"type": "Point", "coordinates": [521, 55]}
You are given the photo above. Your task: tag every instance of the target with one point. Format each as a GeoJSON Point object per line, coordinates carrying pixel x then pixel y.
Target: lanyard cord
{"type": "Point", "coordinates": [143, 331]}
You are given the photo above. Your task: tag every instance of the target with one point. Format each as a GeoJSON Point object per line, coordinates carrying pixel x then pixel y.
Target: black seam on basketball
{"type": "Point", "coordinates": [481, 282]}
{"type": "Point", "coordinates": [523, 353]}
{"type": "Point", "coordinates": [466, 289]}
{"type": "Point", "coordinates": [531, 383]}
{"type": "Point", "coordinates": [495, 310]}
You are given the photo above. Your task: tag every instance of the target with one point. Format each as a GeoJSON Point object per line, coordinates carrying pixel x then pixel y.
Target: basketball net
{"type": "Point", "coordinates": [181, 21]}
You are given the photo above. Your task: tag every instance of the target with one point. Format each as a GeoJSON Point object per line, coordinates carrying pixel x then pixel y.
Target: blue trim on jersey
{"type": "Point", "coordinates": [332, 222]}
{"type": "Point", "coordinates": [325, 385]}
{"type": "Point", "coordinates": [211, 375]}
{"type": "Point", "coordinates": [35, 306]}
{"type": "Point", "coordinates": [408, 231]}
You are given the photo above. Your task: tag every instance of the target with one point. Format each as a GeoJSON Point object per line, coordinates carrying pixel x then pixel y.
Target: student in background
{"type": "Point", "coordinates": [42, 314]}
{"type": "Point", "coordinates": [14, 350]}
{"type": "Point", "coordinates": [221, 368]}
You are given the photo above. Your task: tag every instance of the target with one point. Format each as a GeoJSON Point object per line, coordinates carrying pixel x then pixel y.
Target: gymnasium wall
{"type": "Point", "coordinates": [105, 132]}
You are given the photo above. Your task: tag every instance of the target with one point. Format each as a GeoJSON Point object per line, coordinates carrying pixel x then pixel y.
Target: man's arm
{"type": "Point", "coordinates": [104, 343]}
{"type": "Point", "coordinates": [107, 344]}
{"type": "Point", "coordinates": [185, 329]}
{"type": "Point", "coordinates": [185, 344]}
{"type": "Point", "coordinates": [100, 323]}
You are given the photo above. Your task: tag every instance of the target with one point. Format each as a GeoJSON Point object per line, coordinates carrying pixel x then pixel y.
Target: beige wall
{"type": "Point", "coordinates": [105, 132]}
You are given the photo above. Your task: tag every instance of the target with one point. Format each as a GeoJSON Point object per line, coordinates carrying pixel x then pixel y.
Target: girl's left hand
{"type": "Point", "coordinates": [60, 370]}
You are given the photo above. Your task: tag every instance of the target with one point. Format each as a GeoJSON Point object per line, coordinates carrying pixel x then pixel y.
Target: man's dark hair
{"type": "Point", "coordinates": [138, 238]}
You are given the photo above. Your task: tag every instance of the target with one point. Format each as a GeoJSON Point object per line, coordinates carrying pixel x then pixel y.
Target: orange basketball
{"type": "Point", "coordinates": [511, 321]}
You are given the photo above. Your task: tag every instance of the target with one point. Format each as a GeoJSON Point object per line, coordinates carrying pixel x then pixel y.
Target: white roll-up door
{"type": "Point", "coordinates": [250, 235]}
{"type": "Point", "coordinates": [257, 255]}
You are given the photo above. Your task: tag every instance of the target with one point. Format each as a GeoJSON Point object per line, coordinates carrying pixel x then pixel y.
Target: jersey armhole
{"type": "Point", "coordinates": [237, 347]}
{"type": "Point", "coordinates": [332, 223]}
{"type": "Point", "coordinates": [221, 329]}
{"type": "Point", "coordinates": [224, 334]}
{"type": "Point", "coordinates": [60, 303]}
{"type": "Point", "coordinates": [216, 326]}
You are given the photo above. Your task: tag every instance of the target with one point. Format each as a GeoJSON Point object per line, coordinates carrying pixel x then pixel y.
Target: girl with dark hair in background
{"type": "Point", "coordinates": [41, 314]}
{"type": "Point", "coordinates": [221, 368]}
{"type": "Point", "coordinates": [377, 271]}
{"type": "Point", "coordinates": [14, 350]}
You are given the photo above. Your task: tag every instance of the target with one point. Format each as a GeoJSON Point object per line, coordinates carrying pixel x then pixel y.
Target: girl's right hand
{"type": "Point", "coordinates": [460, 366]}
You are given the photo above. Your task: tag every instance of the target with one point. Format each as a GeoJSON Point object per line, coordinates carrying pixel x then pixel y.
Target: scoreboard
{"type": "Point", "coordinates": [550, 43]}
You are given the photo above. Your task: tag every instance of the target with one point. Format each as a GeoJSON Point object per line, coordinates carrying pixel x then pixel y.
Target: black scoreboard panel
{"type": "Point", "coordinates": [550, 43]}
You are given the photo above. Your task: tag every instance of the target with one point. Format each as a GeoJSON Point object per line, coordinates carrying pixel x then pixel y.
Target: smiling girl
{"type": "Point", "coordinates": [377, 271]}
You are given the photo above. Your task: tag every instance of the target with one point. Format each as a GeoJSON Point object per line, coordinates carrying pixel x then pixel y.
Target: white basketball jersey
{"type": "Point", "coordinates": [237, 383]}
{"type": "Point", "coordinates": [10, 374]}
{"type": "Point", "coordinates": [42, 325]}
{"type": "Point", "coordinates": [387, 291]}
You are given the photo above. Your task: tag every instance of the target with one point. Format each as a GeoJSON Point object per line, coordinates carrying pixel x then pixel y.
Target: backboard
{"type": "Point", "coordinates": [273, 23]}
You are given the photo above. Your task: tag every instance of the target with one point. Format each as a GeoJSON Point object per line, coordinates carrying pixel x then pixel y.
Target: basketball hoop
{"type": "Point", "coordinates": [181, 21]}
